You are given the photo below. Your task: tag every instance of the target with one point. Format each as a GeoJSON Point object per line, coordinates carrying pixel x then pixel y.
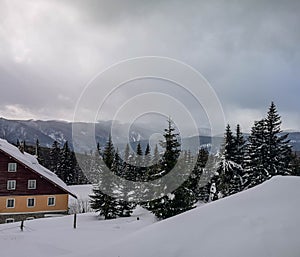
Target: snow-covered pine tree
{"type": "Point", "coordinates": [172, 148]}
{"type": "Point", "coordinates": [102, 199]}
{"type": "Point", "coordinates": [184, 197]}
{"type": "Point", "coordinates": [256, 156]}
{"type": "Point", "coordinates": [238, 159]}
{"type": "Point", "coordinates": [228, 179]}
{"type": "Point", "coordinates": [278, 148]}
{"type": "Point", "coordinates": [123, 207]}
{"type": "Point", "coordinates": [268, 151]}
{"type": "Point", "coordinates": [201, 176]}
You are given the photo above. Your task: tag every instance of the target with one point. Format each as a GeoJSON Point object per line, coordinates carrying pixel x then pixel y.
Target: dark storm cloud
{"type": "Point", "coordinates": [248, 50]}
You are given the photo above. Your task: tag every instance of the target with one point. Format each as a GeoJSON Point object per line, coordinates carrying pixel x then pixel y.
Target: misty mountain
{"type": "Point", "coordinates": [61, 131]}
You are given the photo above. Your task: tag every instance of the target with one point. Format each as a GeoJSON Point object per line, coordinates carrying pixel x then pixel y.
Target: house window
{"type": "Point", "coordinates": [10, 203]}
{"type": "Point", "coordinates": [32, 184]}
{"type": "Point", "coordinates": [11, 185]}
{"type": "Point", "coordinates": [30, 202]}
{"type": "Point", "coordinates": [51, 201]}
{"type": "Point", "coordinates": [9, 220]}
{"type": "Point", "coordinates": [12, 167]}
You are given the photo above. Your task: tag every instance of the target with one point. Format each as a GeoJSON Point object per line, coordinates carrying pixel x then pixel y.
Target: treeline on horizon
{"type": "Point", "coordinates": [241, 164]}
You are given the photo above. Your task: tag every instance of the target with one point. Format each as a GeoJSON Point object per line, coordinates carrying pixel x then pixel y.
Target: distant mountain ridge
{"type": "Point", "coordinates": [61, 131]}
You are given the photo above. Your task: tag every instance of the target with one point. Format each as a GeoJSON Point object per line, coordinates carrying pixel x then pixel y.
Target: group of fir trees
{"type": "Point", "coordinates": [136, 167]}
{"type": "Point", "coordinates": [245, 164]}
{"type": "Point", "coordinates": [62, 161]}
{"type": "Point", "coordinates": [242, 163]}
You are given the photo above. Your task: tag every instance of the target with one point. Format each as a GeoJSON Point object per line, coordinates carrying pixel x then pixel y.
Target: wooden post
{"type": "Point", "coordinates": [75, 221]}
{"type": "Point", "coordinates": [22, 225]}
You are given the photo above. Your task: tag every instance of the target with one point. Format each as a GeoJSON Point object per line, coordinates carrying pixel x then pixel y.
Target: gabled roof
{"type": "Point", "coordinates": [32, 163]}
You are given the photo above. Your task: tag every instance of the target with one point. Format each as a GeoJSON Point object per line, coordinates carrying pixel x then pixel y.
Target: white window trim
{"type": "Point", "coordinates": [54, 201]}
{"type": "Point", "coordinates": [9, 219]}
{"type": "Point", "coordinates": [8, 165]}
{"type": "Point", "coordinates": [29, 181]}
{"type": "Point", "coordinates": [8, 199]}
{"type": "Point", "coordinates": [8, 182]}
{"type": "Point", "coordinates": [33, 202]}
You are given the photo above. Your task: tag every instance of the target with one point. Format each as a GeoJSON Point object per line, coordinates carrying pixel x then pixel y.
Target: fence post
{"type": "Point", "coordinates": [75, 221]}
{"type": "Point", "coordinates": [22, 225]}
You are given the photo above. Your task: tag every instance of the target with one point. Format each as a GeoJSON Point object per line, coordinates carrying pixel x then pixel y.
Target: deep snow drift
{"type": "Point", "coordinates": [263, 221]}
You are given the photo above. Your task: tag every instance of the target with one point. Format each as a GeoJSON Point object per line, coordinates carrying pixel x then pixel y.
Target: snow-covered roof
{"type": "Point", "coordinates": [31, 162]}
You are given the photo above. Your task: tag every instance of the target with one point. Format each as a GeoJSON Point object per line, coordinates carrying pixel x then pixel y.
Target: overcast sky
{"type": "Point", "coordinates": [249, 51]}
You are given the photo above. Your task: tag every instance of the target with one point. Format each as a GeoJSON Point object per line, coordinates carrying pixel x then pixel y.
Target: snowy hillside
{"type": "Point", "coordinates": [262, 222]}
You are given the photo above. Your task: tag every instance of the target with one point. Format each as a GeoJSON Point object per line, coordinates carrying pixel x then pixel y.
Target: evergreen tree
{"type": "Point", "coordinates": [109, 153]}
{"type": "Point", "coordinates": [64, 170]}
{"type": "Point", "coordinates": [278, 149]}
{"type": "Point", "coordinates": [256, 156]}
{"type": "Point", "coordinates": [104, 199]}
{"type": "Point", "coordinates": [295, 165]}
{"type": "Point", "coordinates": [98, 149]}
{"type": "Point", "coordinates": [240, 145]}
{"type": "Point", "coordinates": [38, 152]}
{"type": "Point", "coordinates": [201, 177]}
{"type": "Point", "coordinates": [228, 179]}
{"type": "Point", "coordinates": [268, 151]}
{"type": "Point", "coordinates": [139, 162]}
{"type": "Point", "coordinates": [54, 157]}
{"type": "Point", "coordinates": [126, 153]}
{"type": "Point", "coordinates": [78, 177]}
{"type": "Point", "coordinates": [184, 197]}
{"type": "Point", "coordinates": [171, 146]}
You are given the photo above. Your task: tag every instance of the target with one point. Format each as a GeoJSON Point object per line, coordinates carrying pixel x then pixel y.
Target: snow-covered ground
{"type": "Point", "coordinates": [82, 203]}
{"type": "Point", "coordinates": [261, 222]}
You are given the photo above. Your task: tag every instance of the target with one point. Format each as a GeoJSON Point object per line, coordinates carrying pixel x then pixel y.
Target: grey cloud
{"type": "Point", "coordinates": [248, 50]}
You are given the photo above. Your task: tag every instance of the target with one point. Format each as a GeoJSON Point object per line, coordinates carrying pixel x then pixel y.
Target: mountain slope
{"type": "Point", "coordinates": [61, 131]}
{"type": "Point", "coordinates": [263, 221]}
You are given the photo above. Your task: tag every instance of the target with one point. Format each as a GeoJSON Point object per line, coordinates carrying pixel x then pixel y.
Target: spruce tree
{"type": "Point", "coordinates": [268, 151]}
{"type": "Point", "coordinates": [228, 179]}
{"type": "Point", "coordinates": [256, 156]}
{"type": "Point", "coordinates": [171, 146]}
{"type": "Point", "coordinates": [183, 198]}
{"type": "Point", "coordinates": [64, 170]}
{"type": "Point", "coordinates": [109, 153]}
{"type": "Point", "coordinates": [104, 199]}
{"type": "Point", "coordinates": [295, 165]}
{"type": "Point", "coordinates": [278, 149]}
{"type": "Point", "coordinates": [54, 157]}
{"type": "Point", "coordinates": [201, 176]}
{"type": "Point", "coordinates": [240, 146]}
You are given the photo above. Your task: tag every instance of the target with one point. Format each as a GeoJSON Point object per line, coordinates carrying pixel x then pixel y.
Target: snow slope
{"type": "Point", "coordinates": [261, 222]}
